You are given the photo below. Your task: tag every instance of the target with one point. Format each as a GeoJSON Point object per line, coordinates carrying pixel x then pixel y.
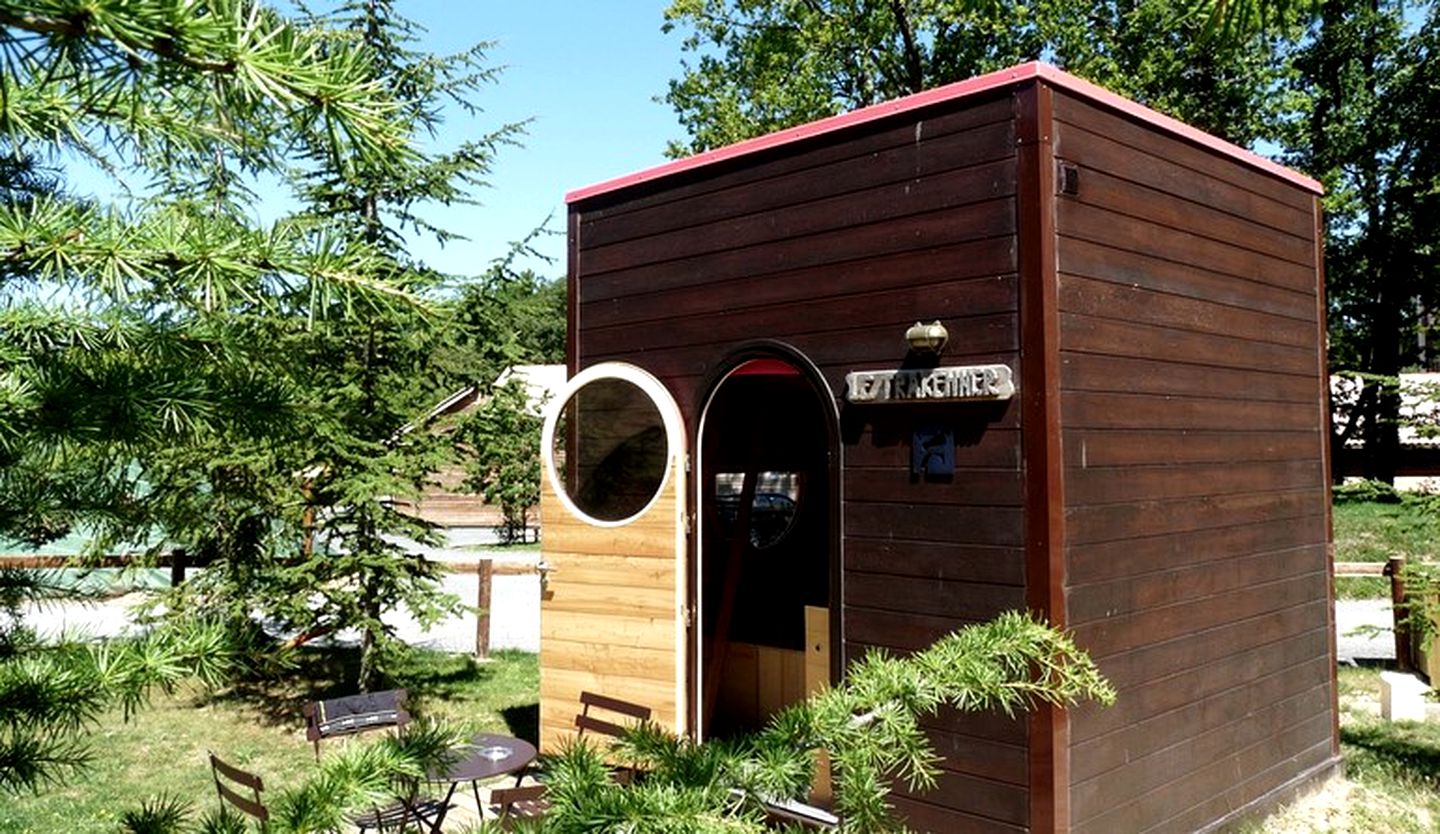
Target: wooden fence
{"type": "Point", "coordinates": [1395, 569]}
{"type": "Point", "coordinates": [178, 562]}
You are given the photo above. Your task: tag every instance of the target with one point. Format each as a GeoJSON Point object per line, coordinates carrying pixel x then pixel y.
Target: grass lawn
{"type": "Point", "coordinates": [1392, 781]}
{"type": "Point", "coordinates": [258, 726]}
{"type": "Point", "coordinates": [1370, 531]}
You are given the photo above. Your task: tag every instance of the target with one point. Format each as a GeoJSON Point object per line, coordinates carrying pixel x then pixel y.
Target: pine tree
{"type": "Point", "coordinates": [137, 389]}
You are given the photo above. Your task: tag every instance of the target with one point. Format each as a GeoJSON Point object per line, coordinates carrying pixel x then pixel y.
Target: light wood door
{"type": "Point", "coordinates": [613, 544]}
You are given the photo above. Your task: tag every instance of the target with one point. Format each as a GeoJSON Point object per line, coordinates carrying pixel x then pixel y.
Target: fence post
{"type": "Point", "coordinates": [484, 571]}
{"type": "Point", "coordinates": [1400, 610]}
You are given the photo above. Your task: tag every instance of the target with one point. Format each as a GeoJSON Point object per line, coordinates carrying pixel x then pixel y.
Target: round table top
{"type": "Point", "coordinates": [488, 755]}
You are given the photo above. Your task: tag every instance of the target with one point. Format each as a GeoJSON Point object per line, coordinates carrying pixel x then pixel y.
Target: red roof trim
{"type": "Point", "coordinates": [961, 89]}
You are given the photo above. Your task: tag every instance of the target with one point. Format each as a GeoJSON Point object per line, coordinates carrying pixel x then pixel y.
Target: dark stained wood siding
{"type": "Point", "coordinates": [1178, 292]}
{"type": "Point", "coordinates": [1192, 385]}
{"type": "Point", "coordinates": [835, 248]}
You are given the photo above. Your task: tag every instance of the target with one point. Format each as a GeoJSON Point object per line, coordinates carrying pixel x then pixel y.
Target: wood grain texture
{"type": "Point", "coordinates": [1162, 459]}
{"type": "Point", "coordinates": [1214, 192]}
{"type": "Point", "coordinates": [609, 614]}
{"type": "Point", "coordinates": [1192, 365]}
{"type": "Point", "coordinates": [732, 182]}
{"type": "Point", "coordinates": [1202, 168]}
{"type": "Point", "coordinates": [1101, 261]}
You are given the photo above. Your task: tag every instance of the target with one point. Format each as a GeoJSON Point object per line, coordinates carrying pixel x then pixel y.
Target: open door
{"type": "Point", "coordinates": [612, 510]}
{"type": "Point", "coordinates": [767, 566]}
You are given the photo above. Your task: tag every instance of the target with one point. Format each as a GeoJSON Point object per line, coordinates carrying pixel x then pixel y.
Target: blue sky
{"type": "Point", "coordinates": [586, 74]}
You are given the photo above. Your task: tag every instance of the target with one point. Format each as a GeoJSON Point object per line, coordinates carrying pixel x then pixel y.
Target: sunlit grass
{"type": "Point", "coordinates": [1369, 531]}
{"type": "Point", "coordinates": [1392, 773]}
{"type": "Point", "coordinates": [258, 725]}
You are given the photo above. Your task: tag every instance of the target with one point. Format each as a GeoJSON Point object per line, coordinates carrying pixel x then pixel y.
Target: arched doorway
{"type": "Point", "coordinates": [767, 567]}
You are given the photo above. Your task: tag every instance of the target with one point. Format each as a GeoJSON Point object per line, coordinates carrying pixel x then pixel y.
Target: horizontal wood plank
{"type": "Point", "coordinates": [1204, 765]}
{"type": "Point", "coordinates": [1099, 373]}
{"type": "Point", "coordinates": [1186, 447]}
{"type": "Point", "coordinates": [607, 598]}
{"type": "Point", "coordinates": [1101, 262]}
{"type": "Point", "coordinates": [1099, 121]}
{"type": "Point", "coordinates": [1181, 549]}
{"type": "Point", "coordinates": [969, 306]}
{"type": "Point", "coordinates": [1116, 635]}
{"type": "Point", "coordinates": [1088, 410]}
{"type": "Point", "coordinates": [1075, 221]}
{"type": "Point", "coordinates": [1116, 194]}
{"type": "Point", "coordinates": [1092, 335]}
{"type": "Point", "coordinates": [609, 657]}
{"type": "Point", "coordinates": [1224, 573]}
{"type": "Point", "coordinates": [632, 630]}
{"type": "Point", "coordinates": [923, 230]}
{"type": "Point", "coordinates": [974, 259]}
{"type": "Point", "coordinates": [883, 441]}
{"type": "Point", "coordinates": [1183, 684]}
{"type": "Point", "coordinates": [927, 814]}
{"type": "Point", "coordinates": [1152, 166]}
{"type": "Point", "coordinates": [1314, 764]}
{"type": "Point", "coordinates": [789, 213]}
{"type": "Point", "coordinates": [1153, 735]}
{"type": "Point", "coordinates": [1160, 662]}
{"type": "Point", "coordinates": [975, 488]}
{"type": "Point", "coordinates": [940, 561]}
{"type": "Point", "coordinates": [896, 631]}
{"type": "Point", "coordinates": [918, 522]}
{"type": "Point", "coordinates": [1142, 519]}
{"type": "Point", "coordinates": [1090, 486]}
{"type": "Point", "coordinates": [995, 760]}
{"type": "Point", "coordinates": [1106, 299]}
{"type": "Point", "coordinates": [809, 156]}
{"type": "Point", "coordinates": [959, 600]}
{"type": "Point", "coordinates": [994, 800]}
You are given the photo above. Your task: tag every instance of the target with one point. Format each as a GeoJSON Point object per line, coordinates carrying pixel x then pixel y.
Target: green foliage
{"type": "Point", "coordinates": [350, 780]}
{"type": "Point", "coordinates": [1365, 85]}
{"type": "Point", "coordinates": [504, 436]}
{"type": "Point", "coordinates": [170, 371]}
{"type": "Point", "coordinates": [254, 722]}
{"type": "Point", "coordinates": [1375, 531]}
{"type": "Point", "coordinates": [869, 725]}
{"type": "Point", "coordinates": [162, 814]}
{"type": "Point", "coordinates": [505, 318]}
{"type": "Point", "coordinates": [763, 66]}
{"type": "Point", "coordinates": [1363, 491]}
{"type": "Point", "coordinates": [52, 693]}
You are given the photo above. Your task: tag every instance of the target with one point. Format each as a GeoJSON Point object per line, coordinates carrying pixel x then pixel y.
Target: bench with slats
{"type": "Point", "coordinates": [354, 714]}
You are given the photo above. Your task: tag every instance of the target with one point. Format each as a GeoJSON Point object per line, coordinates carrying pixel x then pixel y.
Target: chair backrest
{"type": "Point", "coordinates": [230, 784]}
{"type": "Point", "coordinates": [590, 700]}
{"type": "Point", "coordinates": [520, 803]}
{"type": "Point", "coordinates": [354, 714]}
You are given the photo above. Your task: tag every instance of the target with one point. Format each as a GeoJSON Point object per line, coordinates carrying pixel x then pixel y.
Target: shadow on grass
{"type": "Point", "coordinates": [432, 678]}
{"type": "Point", "coordinates": [523, 722]}
{"type": "Point", "coordinates": [1411, 750]}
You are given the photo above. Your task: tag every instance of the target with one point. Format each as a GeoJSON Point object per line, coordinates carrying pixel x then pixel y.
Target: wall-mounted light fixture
{"type": "Point", "coordinates": [927, 338]}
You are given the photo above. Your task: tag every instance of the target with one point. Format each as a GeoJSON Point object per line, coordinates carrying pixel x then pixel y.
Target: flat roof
{"type": "Point", "coordinates": [954, 92]}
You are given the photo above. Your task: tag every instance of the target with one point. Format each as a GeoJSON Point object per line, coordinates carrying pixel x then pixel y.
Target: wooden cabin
{"type": "Point", "coordinates": [1013, 343]}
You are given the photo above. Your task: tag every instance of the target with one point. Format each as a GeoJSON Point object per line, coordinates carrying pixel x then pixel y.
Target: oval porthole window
{"type": "Point", "coordinates": [610, 449]}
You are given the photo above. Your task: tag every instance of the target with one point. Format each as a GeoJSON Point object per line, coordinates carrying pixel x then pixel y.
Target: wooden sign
{"type": "Point", "coordinates": [971, 382]}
